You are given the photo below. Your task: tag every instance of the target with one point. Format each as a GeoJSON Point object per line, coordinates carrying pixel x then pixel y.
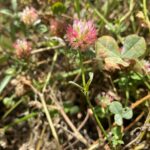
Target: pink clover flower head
{"type": "Point", "coordinates": [23, 48]}
{"type": "Point", "coordinates": [81, 34]}
{"type": "Point", "coordinates": [146, 66]}
{"type": "Point", "coordinates": [29, 15]}
{"type": "Point", "coordinates": [105, 98]}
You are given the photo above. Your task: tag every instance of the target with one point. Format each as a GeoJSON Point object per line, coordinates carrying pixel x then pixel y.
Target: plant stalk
{"type": "Point", "coordinates": [86, 93]}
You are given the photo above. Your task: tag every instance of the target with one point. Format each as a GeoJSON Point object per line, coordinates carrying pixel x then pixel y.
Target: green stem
{"type": "Point", "coordinates": [13, 107]}
{"type": "Point", "coordinates": [77, 7]}
{"type": "Point", "coordinates": [17, 121]}
{"type": "Point", "coordinates": [82, 70]}
{"type": "Point", "coordinates": [109, 121]}
{"type": "Point", "coordinates": [96, 118]}
{"type": "Point", "coordinates": [102, 17]}
{"type": "Point", "coordinates": [110, 25]}
{"type": "Point", "coordinates": [86, 93]}
{"type": "Point", "coordinates": [51, 70]}
{"type": "Point", "coordinates": [145, 14]}
{"type": "Point", "coordinates": [127, 96]}
{"type": "Point", "coordinates": [95, 115]}
{"type": "Point", "coordinates": [129, 12]}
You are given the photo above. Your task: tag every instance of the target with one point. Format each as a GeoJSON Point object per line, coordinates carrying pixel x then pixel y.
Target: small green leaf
{"type": "Point", "coordinates": [91, 75]}
{"type": "Point", "coordinates": [116, 131]}
{"type": "Point", "coordinates": [117, 136]}
{"type": "Point", "coordinates": [70, 107]}
{"type": "Point", "coordinates": [127, 113]}
{"type": "Point", "coordinates": [134, 47]}
{"type": "Point", "coordinates": [101, 112]}
{"type": "Point", "coordinates": [6, 12]}
{"type": "Point", "coordinates": [118, 119]}
{"type": "Point", "coordinates": [74, 110]}
{"type": "Point", "coordinates": [135, 76]}
{"type": "Point", "coordinates": [106, 46]}
{"type": "Point", "coordinates": [10, 71]}
{"type": "Point", "coordinates": [14, 4]}
{"type": "Point", "coordinates": [75, 84]}
{"type": "Point", "coordinates": [8, 101]}
{"type": "Point", "coordinates": [42, 28]}
{"type": "Point", "coordinates": [116, 107]}
{"type": "Point", "coordinates": [4, 82]}
{"type": "Point", "coordinates": [117, 142]}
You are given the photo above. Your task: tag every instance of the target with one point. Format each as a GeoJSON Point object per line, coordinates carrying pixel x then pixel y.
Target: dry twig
{"type": "Point", "coordinates": [66, 118]}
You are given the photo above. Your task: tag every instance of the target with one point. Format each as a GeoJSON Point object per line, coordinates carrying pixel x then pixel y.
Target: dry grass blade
{"type": "Point", "coordinates": [138, 102]}
{"type": "Point", "coordinates": [41, 96]}
{"type": "Point", "coordinates": [135, 121]}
